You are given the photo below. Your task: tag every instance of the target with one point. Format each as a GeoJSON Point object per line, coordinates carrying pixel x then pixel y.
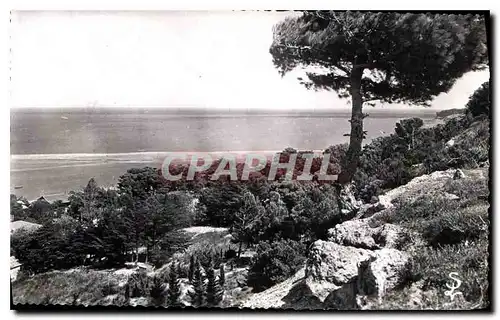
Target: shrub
{"type": "Point", "coordinates": [456, 226]}
{"type": "Point", "coordinates": [368, 187]}
{"type": "Point", "coordinates": [109, 288]}
{"type": "Point", "coordinates": [213, 289]}
{"type": "Point", "coordinates": [206, 251]}
{"type": "Point", "coordinates": [157, 291]}
{"type": "Point", "coordinates": [275, 262]}
{"type": "Point", "coordinates": [139, 285]}
{"type": "Point", "coordinates": [432, 266]}
{"type": "Point", "coordinates": [443, 221]}
{"type": "Point", "coordinates": [172, 242]}
{"type": "Point", "coordinates": [479, 102]}
{"type": "Point", "coordinates": [79, 286]}
{"type": "Point", "coordinates": [197, 294]}
{"type": "Point", "coordinates": [47, 248]}
{"type": "Point", "coordinates": [174, 290]}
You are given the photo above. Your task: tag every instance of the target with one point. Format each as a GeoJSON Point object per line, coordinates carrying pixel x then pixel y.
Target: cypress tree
{"type": "Point", "coordinates": [197, 295]}
{"type": "Point", "coordinates": [127, 293]}
{"type": "Point", "coordinates": [157, 292]}
{"type": "Point", "coordinates": [174, 289]}
{"type": "Point", "coordinates": [191, 268]}
{"type": "Point", "coordinates": [222, 276]}
{"type": "Point", "coordinates": [214, 295]}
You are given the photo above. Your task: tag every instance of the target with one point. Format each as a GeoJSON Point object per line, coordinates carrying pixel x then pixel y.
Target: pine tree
{"type": "Point", "coordinates": [391, 57]}
{"type": "Point", "coordinates": [174, 289]}
{"type": "Point", "coordinates": [157, 292]}
{"type": "Point", "coordinates": [191, 268]}
{"type": "Point", "coordinates": [197, 295]}
{"type": "Point", "coordinates": [214, 294]}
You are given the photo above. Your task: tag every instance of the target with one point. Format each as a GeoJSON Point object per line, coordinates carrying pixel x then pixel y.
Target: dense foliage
{"type": "Point", "coordinates": [480, 101]}
{"type": "Point", "coordinates": [390, 161]}
{"type": "Point", "coordinates": [140, 221]}
{"type": "Point", "coordinates": [103, 228]}
{"type": "Point", "coordinates": [272, 222]}
{"type": "Point", "coordinates": [275, 262]}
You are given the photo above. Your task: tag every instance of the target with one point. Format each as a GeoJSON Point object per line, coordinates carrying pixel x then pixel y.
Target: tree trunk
{"type": "Point", "coordinates": [356, 137]}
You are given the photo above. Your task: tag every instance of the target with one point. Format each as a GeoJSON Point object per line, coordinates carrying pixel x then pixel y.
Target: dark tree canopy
{"type": "Point", "coordinates": [412, 57]}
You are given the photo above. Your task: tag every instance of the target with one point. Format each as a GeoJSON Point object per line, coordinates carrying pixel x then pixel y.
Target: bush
{"type": "Point", "coordinates": [207, 252]}
{"type": "Point", "coordinates": [47, 248]}
{"type": "Point", "coordinates": [443, 221]}
{"type": "Point", "coordinates": [157, 292]}
{"type": "Point", "coordinates": [275, 262]}
{"type": "Point", "coordinates": [428, 273]}
{"type": "Point", "coordinates": [370, 187]}
{"type": "Point", "coordinates": [432, 266]}
{"type": "Point", "coordinates": [139, 285]}
{"type": "Point", "coordinates": [80, 286]}
{"type": "Point", "coordinates": [391, 161]}
{"type": "Point", "coordinates": [479, 103]}
{"type": "Point", "coordinates": [171, 243]}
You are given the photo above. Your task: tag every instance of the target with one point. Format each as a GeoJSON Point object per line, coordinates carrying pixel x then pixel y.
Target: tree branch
{"type": "Point", "coordinates": [341, 68]}
{"type": "Point", "coordinates": [366, 66]}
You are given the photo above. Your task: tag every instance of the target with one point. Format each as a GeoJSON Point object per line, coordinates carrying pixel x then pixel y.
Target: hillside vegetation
{"type": "Point", "coordinates": [418, 211]}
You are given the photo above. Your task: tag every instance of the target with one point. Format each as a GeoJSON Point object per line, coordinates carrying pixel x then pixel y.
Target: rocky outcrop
{"type": "Point", "coordinates": [362, 261]}
{"type": "Point", "coordinates": [357, 261]}
{"type": "Point", "coordinates": [330, 266]}
{"type": "Point", "coordinates": [342, 283]}
{"type": "Point", "coordinates": [360, 234]}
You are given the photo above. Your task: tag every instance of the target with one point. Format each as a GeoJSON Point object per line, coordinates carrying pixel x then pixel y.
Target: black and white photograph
{"type": "Point", "coordinates": [250, 160]}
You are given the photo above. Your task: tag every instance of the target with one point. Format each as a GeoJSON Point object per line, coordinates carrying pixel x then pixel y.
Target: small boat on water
{"type": "Point", "coordinates": [64, 118]}
{"type": "Point", "coordinates": [18, 187]}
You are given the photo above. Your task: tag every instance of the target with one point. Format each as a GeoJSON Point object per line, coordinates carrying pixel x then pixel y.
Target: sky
{"type": "Point", "coordinates": [164, 59]}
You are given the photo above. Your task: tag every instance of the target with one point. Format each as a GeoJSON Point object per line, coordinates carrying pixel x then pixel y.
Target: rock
{"type": "Point", "coordinates": [330, 266]}
{"type": "Point", "coordinates": [374, 200]}
{"type": "Point", "coordinates": [348, 204]}
{"type": "Point", "coordinates": [451, 196]}
{"type": "Point", "coordinates": [450, 143]}
{"type": "Point", "coordinates": [381, 272]}
{"type": "Point", "coordinates": [359, 234]}
{"type": "Point", "coordinates": [289, 293]}
{"type": "Point", "coordinates": [369, 210]}
{"type": "Point", "coordinates": [338, 275]}
{"type": "Point", "coordinates": [459, 174]}
{"type": "Point", "coordinates": [344, 298]}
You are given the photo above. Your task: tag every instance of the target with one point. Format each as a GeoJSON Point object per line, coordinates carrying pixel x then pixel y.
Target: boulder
{"type": "Point", "coordinates": [330, 266]}
{"type": "Point", "coordinates": [339, 276]}
{"type": "Point", "coordinates": [335, 277]}
{"type": "Point", "coordinates": [382, 272]}
{"type": "Point", "coordinates": [359, 234]}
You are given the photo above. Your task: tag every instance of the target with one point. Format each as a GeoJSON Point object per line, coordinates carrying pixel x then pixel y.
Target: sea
{"type": "Point", "coordinates": [56, 150]}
